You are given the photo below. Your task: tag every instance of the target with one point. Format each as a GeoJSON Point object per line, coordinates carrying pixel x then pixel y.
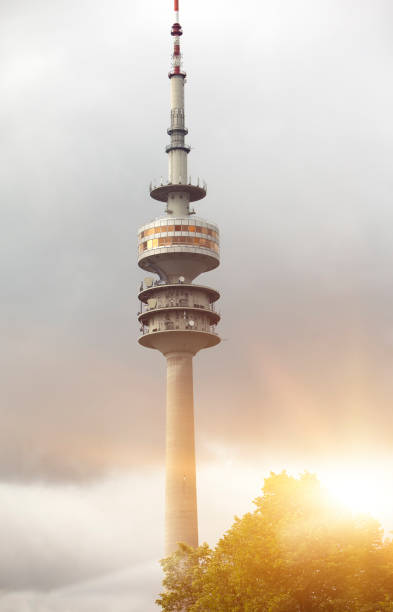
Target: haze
{"type": "Point", "coordinates": [289, 111]}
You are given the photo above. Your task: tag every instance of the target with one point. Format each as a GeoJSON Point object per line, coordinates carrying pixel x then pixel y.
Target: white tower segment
{"type": "Point", "coordinates": [178, 317]}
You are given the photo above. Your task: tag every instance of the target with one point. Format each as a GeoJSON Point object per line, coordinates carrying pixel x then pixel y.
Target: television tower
{"type": "Point", "coordinates": [177, 316]}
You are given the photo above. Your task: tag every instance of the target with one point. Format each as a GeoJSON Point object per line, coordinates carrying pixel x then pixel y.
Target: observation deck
{"type": "Point", "coordinates": [162, 191]}
{"type": "Point", "coordinates": [148, 292]}
{"type": "Point", "coordinates": [161, 242]}
{"type": "Point", "coordinates": [178, 315]}
{"type": "Point", "coordinates": [188, 313]}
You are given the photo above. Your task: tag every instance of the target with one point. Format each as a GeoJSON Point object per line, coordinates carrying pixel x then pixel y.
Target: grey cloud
{"type": "Point", "coordinates": [70, 412]}
{"type": "Point", "coordinates": [53, 537]}
{"type": "Point", "coordinates": [289, 111]}
{"type": "Point", "coordinates": [129, 590]}
{"type": "Point", "coordinates": [291, 125]}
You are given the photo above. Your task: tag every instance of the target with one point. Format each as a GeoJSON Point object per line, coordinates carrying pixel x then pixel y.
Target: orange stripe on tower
{"type": "Point", "coordinates": [176, 5]}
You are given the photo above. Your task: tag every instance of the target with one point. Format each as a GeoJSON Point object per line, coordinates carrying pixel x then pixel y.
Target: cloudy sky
{"type": "Point", "coordinates": [289, 110]}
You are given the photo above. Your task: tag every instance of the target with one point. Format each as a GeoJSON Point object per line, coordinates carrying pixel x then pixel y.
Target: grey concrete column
{"type": "Point", "coordinates": [181, 520]}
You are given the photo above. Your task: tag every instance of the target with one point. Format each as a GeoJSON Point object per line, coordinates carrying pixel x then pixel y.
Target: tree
{"type": "Point", "coordinates": [296, 552]}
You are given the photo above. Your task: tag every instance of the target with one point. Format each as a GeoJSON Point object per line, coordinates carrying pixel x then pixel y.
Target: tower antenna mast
{"type": "Point", "coordinates": [176, 33]}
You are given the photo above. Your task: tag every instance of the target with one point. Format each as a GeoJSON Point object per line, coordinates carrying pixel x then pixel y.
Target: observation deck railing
{"type": "Point", "coordinates": [170, 326]}
{"type": "Point", "coordinates": [199, 183]}
{"type": "Point", "coordinates": [146, 308]}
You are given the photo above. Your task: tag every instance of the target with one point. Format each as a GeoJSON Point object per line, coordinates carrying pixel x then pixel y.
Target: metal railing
{"type": "Point", "coordinates": [199, 183]}
{"type": "Point", "coordinates": [160, 328]}
{"type": "Point", "coordinates": [147, 308]}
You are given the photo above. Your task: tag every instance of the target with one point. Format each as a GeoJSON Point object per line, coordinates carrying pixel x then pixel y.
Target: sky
{"type": "Point", "coordinates": [289, 109]}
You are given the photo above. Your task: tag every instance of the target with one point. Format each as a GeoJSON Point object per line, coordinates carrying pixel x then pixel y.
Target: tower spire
{"type": "Point", "coordinates": [176, 33]}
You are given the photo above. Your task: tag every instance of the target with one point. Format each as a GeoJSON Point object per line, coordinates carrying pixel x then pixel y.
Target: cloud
{"type": "Point", "coordinates": [130, 590]}
{"type": "Point", "coordinates": [72, 413]}
{"type": "Point", "coordinates": [298, 180]}
{"type": "Point", "coordinates": [291, 125]}
{"type": "Point", "coordinates": [53, 536]}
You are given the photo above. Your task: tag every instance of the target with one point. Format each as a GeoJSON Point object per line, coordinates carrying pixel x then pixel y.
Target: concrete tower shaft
{"type": "Point", "coordinates": [176, 316]}
{"type": "Point", "coordinates": [181, 517]}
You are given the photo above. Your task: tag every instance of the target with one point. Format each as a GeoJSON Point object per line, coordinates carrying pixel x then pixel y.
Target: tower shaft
{"type": "Point", "coordinates": [181, 521]}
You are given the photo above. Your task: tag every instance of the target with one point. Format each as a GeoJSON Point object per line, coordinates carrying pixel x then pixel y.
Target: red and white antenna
{"type": "Point", "coordinates": [176, 33]}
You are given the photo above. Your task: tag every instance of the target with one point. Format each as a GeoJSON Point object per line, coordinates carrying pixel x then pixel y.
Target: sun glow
{"type": "Point", "coordinates": [352, 484]}
{"type": "Point", "coordinates": [358, 489]}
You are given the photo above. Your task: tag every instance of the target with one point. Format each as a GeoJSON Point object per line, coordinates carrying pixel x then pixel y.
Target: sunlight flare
{"type": "Point", "coordinates": [358, 488]}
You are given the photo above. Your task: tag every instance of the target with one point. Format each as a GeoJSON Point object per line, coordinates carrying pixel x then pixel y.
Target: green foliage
{"type": "Point", "coordinates": [295, 553]}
